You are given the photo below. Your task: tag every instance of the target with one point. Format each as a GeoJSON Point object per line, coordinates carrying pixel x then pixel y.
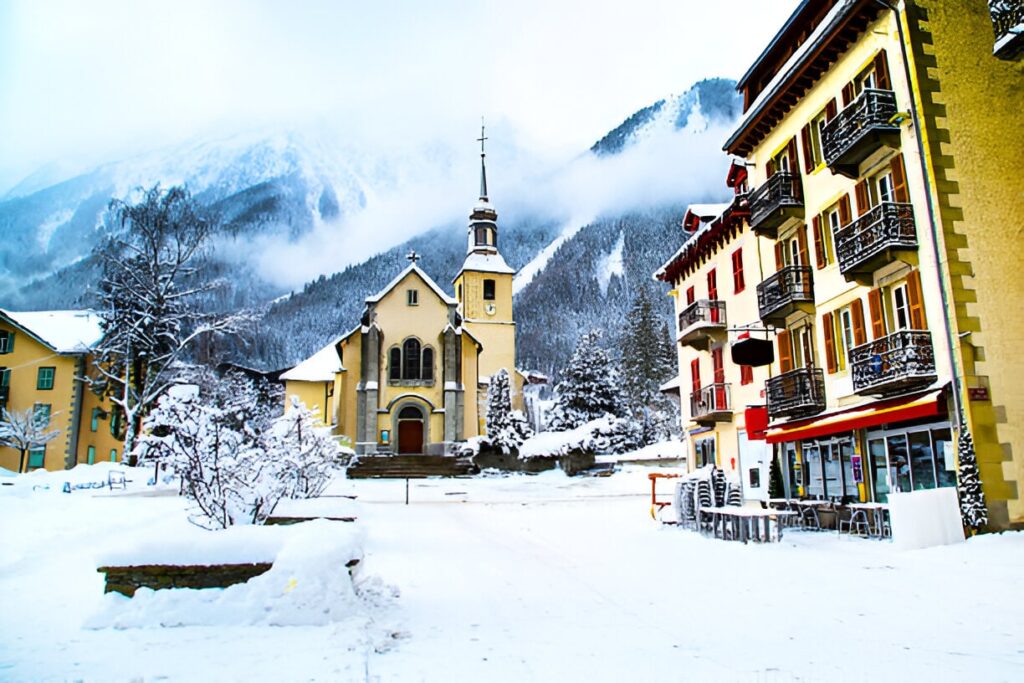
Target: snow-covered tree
{"type": "Point", "coordinates": [776, 487]}
{"type": "Point", "coordinates": [146, 298]}
{"type": "Point", "coordinates": [223, 463]}
{"type": "Point", "coordinates": [590, 387]}
{"type": "Point", "coordinates": [307, 454]}
{"type": "Point", "coordinates": [972, 498]}
{"type": "Point", "coordinates": [507, 429]}
{"type": "Point", "coordinates": [25, 430]}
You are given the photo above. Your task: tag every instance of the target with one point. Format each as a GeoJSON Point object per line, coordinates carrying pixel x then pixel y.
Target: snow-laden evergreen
{"type": "Point", "coordinates": [590, 388]}
{"type": "Point", "coordinates": [507, 429]}
{"type": "Point", "coordinates": [972, 498]}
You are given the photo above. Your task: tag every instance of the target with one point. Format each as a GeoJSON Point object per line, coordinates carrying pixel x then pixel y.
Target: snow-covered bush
{"type": "Point", "coordinates": [507, 429]}
{"type": "Point", "coordinates": [605, 435]}
{"type": "Point", "coordinates": [306, 454]}
{"type": "Point", "coordinates": [590, 388]}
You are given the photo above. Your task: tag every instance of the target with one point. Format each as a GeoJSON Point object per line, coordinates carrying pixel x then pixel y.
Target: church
{"type": "Point", "coordinates": [412, 376]}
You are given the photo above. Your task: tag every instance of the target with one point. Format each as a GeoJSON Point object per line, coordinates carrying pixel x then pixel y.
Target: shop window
{"type": "Point", "coordinates": [44, 378]}
{"type": "Point", "coordinates": [488, 290]}
{"type": "Point", "coordinates": [412, 297]}
{"type": "Point", "coordinates": [6, 342]}
{"type": "Point", "coordinates": [705, 452]}
{"type": "Point", "coordinates": [911, 459]}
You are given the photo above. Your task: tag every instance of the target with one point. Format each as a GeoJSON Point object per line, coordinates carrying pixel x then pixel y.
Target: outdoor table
{"type": "Point", "coordinates": [746, 523]}
{"type": "Point", "coordinates": [811, 507]}
{"type": "Point", "coordinates": [876, 510]}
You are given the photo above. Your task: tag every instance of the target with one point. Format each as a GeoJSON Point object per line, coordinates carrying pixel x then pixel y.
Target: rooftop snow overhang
{"type": "Point", "coordinates": [830, 38]}
{"type": "Point", "coordinates": [706, 240]}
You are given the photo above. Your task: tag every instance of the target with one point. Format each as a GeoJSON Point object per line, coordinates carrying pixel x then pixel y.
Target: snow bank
{"type": "Point", "coordinates": [308, 584]}
{"type": "Point", "coordinates": [323, 506]}
{"type": "Point", "coordinates": [547, 444]}
{"type": "Point", "coordinates": [662, 449]}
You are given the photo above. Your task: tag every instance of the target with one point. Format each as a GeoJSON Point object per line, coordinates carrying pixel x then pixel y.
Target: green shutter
{"type": "Point", "coordinates": [92, 455]}
{"type": "Point", "coordinates": [36, 457]}
{"type": "Point", "coordinates": [113, 455]}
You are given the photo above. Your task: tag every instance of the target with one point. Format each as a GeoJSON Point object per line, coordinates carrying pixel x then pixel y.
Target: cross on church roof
{"type": "Point", "coordinates": [413, 257]}
{"type": "Point", "coordinates": [482, 138]}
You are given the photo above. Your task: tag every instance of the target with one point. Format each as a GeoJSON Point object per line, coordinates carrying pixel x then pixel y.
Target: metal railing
{"type": "Point", "coordinates": [797, 392]}
{"type": "Point", "coordinates": [896, 360]}
{"type": "Point", "coordinates": [792, 284]}
{"type": "Point", "coordinates": [714, 398]}
{"type": "Point", "coordinates": [1006, 16]}
{"type": "Point", "coordinates": [783, 189]}
{"type": "Point", "coordinates": [888, 225]}
{"type": "Point", "coordinates": [872, 109]}
{"type": "Point", "coordinates": [702, 311]}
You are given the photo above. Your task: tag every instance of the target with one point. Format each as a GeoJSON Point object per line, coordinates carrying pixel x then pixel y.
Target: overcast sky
{"type": "Point", "coordinates": [90, 80]}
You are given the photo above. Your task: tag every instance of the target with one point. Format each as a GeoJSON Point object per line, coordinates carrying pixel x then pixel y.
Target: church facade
{"type": "Point", "coordinates": [412, 376]}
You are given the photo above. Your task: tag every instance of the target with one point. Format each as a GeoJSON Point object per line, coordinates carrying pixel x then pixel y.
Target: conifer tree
{"type": "Point", "coordinates": [506, 428]}
{"type": "Point", "coordinates": [972, 498]}
{"type": "Point", "coordinates": [590, 388]}
{"type": "Point", "coordinates": [776, 487]}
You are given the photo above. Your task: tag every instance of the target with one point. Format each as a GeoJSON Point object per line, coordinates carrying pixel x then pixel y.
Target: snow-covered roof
{"type": "Point", "coordinates": [486, 263]}
{"type": "Point", "coordinates": [320, 367]}
{"type": "Point", "coordinates": [419, 271]}
{"type": "Point", "coordinates": [670, 386]}
{"type": "Point", "coordinates": [62, 331]}
{"type": "Point", "coordinates": [707, 210]}
{"type": "Point", "coordinates": [704, 227]}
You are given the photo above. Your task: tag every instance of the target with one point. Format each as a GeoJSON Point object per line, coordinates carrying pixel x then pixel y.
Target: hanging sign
{"type": "Point", "coordinates": [858, 471]}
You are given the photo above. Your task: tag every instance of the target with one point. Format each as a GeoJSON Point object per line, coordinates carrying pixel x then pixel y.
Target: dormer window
{"type": "Point", "coordinates": [488, 290]}
{"type": "Point", "coordinates": [412, 297]}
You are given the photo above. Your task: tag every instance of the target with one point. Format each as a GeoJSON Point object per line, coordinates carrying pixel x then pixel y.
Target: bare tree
{"type": "Point", "coordinates": [24, 431]}
{"type": "Point", "coordinates": [148, 293]}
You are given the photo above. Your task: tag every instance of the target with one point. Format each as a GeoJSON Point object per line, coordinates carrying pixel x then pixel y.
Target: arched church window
{"type": "Point", "coordinates": [411, 359]}
{"type": "Point", "coordinates": [395, 363]}
{"type": "Point", "coordinates": [428, 363]}
{"type": "Point", "coordinates": [488, 290]}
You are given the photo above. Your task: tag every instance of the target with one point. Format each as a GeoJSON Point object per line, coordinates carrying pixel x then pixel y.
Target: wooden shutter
{"type": "Point", "coordinates": [691, 295]}
{"type": "Point", "coordinates": [718, 362]}
{"type": "Point", "coordinates": [801, 241]}
{"type": "Point", "coordinates": [695, 375]}
{"type": "Point", "coordinates": [794, 163]}
{"type": "Point", "coordinates": [844, 211]}
{"type": "Point", "coordinates": [882, 71]}
{"type": "Point", "coordinates": [785, 352]}
{"type": "Point", "coordinates": [847, 94]}
{"type": "Point", "coordinates": [830, 342]}
{"type": "Point", "coordinates": [916, 301]}
{"type": "Point", "coordinates": [857, 313]}
{"type": "Point", "coordinates": [713, 284]}
{"type": "Point", "coordinates": [819, 243]}
{"type": "Point", "coordinates": [863, 201]}
{"type": "Point", "coordinates": [831, 109]}
{"type": "Point", "coordinates": [805, 142]}
{"type": "Point", "coordinates": [780, 260]}
{"type": "Point", "coordinates": [738, 282]}
{"type": "Point", "coordinates": [899, 179]}
{"type": "Point", "coordinates": [770, 167]}
{"type": "Point", "coordinates": [877, 314]}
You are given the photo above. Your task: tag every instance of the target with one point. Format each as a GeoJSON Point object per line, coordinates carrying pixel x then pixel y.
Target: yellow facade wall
{"type": "Point", "coordinates": [318, 397]}
{"type": "Point", "coordinates": [102, 440]}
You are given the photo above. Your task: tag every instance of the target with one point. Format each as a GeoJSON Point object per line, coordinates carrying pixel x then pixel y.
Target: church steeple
{"type": "Point", "coordinates": [483, 221]}
{"type": "Point", "coordinates": [483, 167]}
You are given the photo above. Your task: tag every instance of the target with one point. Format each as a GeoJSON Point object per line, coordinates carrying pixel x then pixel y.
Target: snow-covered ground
{"type": "Point", "coordinates": [519, 578]}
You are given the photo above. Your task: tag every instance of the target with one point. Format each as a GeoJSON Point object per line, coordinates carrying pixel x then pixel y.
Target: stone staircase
{"type": "Point", "coordinates": [409, 467]}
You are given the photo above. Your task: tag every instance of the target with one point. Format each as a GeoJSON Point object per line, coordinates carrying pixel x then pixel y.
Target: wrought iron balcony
{"type": "Point", "coordinates": [711, 404]}
{"type": "Point", "coordinates": [859, 130]}
{"type": "Point", "coordinates": [700, 321]}
{"type": "Point", "coordinates": [787, 291]}
{"type": "Point", "coordinates": [901, 361]}
{"type": "Point", "coordinates": [796, 393]}
{"type": "Point", "coordinates": [780, 198]}
{"type": "Point", "coordinates": [875, 239]}
{"type": "Point", "coordinates": [1007, 20]}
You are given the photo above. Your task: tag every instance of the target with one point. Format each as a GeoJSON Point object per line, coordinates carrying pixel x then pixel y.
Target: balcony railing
{"type": "Point", "coordinates": [779, 198]}
{"type": "Point", "coordinates": [857, 131]}
{"type": "Point", "coordinates": [869, 242]}
{"type": "Point", "coordinates": [900, 361]}
{"type": "Point", "coordinates": [789, 290]}
{"type": "Point", "coordinates": [796, 393]}
{"type": "Point", "coordinates": [711, 403]}
{"type": "Point", "coordinates": [699, 320]}
{"type": "Point", "coordinates": [1007, 19]}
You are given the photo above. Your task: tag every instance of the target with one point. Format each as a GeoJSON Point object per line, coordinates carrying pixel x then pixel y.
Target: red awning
{"type": "Point", "coordinates": [882, 412]}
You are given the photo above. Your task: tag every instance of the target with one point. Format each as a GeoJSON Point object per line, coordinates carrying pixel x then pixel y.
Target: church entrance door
{"type": "Point", "coordinates": [410, 430]}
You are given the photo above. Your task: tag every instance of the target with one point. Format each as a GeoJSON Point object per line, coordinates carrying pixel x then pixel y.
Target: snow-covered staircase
{"type": "Point", "coordinates": [409, 467]}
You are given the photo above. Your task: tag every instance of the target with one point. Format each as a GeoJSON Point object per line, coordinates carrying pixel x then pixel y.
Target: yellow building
{"type": "Point", "coordinates": [885, 311]}
{"type": "Point", "coordinates": [713, 276]}
{"type": "Point", "coordinates": [413, 376]}
{"type": "Point", "coordinates": [43, 355]}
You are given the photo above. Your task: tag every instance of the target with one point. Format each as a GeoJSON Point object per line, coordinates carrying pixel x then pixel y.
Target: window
{"type": "Point", "coordinates": [412, 297]}
{"type": "Point", "coordinates": [883, 187]}
{"type": "Point", "coordinates": [812, 137]}
{"type": "Point", "coordinates": [428, 363]}
{"type": "Point", "coordinates": [44, 378]}
{"type": "Point", "coordinates": [488, 290]}
{"type": "Point", "coordinates": [41, 413]}
{"type": "Point", "coordinates": [713, 284]}
{"type": "Point", "coordinates": [803, 346]}
{"type": "Point", "coordinates": [460, 293]}
{"type": "Point", "coordinates": [94, 422]}
{"type": "Point", "coordinates": [738, 283]}
{"type": "Point", "coordinates": [900, 308]}
{"type": "Point", "coordinates": [395, 364]}
{"type": "Point", "coordinates": [411, 362]}
{"type": "Point", "coordinates": [115, 422]}
{"type": "Point", "coordinates": [845, 336]}
{"type": "Point", "coordinates": [6, 341]}
{"type": "Point", "coordinates": [411, 359]}
{"type": "Point", "coordinates": [705, 452]}
{"type": "Point", "coordinates": [484, 237]}
{"type": "Point", "coordinates": [5, 386]}
{"type": "Point", "coordinates": [36, 457]}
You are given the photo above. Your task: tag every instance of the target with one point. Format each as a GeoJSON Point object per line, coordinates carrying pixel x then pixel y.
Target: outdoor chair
{"type": "Point", "coordinates": [116, 480]}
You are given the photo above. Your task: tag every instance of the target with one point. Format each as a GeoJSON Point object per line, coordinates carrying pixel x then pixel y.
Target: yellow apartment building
{"type": "Point", "coordinates": [43, 355]}
{"type": "Point", "coordinates": [877, 292]}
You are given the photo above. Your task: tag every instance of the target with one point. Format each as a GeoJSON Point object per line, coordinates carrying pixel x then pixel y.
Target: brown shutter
{"type": "Point", "coordinates": [882, 71]}
{"type": "Point", "coordinates": [785, 352]}
{"type": "Point", "coordinates": [695, 375]}
{"type": "Point", "coordinates": [917, 317]}
{"type": "Point", "coordinates": [847, 94]}
{"type": "Point", "coordinates": [805, 142]}
{"type": "Point", "coordinates": [794, 163]}
{"type": "Point", "coordinates": [801, 241]}
{"type": "Point", "coordinates": [877, 314]}
{"type": "Point", "coordinates": [844, 211]}
{"type": "Point", "coordinates": [819, 243]}
{"type": "Point", "coordinates": [770, 166]}
{"type": "Point", "coordinates": [863, 202]}
{"type": "Point", "coordinates": [780, 261]}
{"type": "Point", "coordinates": [830, 343]}
{"type": "Point", "coordinates": [831, 110]}
{"type": "Point", "coordinates": [899, 179]}
{"type": "Point", "coordinates": [857, 313]}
